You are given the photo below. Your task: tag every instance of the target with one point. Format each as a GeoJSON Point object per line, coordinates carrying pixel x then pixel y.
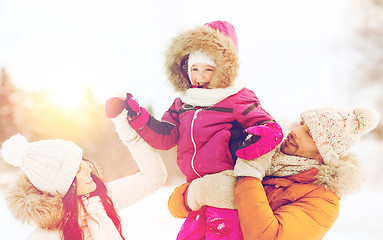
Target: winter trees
{"type": "Point", "coordinates": [367, 29]}
{"type": "Point", "coordinates": [8, 106]}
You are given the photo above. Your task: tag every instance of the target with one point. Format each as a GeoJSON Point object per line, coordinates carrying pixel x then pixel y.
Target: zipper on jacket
{"type": "Point", "coordinates": [194, 144]}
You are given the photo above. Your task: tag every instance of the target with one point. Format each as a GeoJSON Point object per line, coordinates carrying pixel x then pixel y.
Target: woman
{"type": "Point", "coordinates": [62, 193]}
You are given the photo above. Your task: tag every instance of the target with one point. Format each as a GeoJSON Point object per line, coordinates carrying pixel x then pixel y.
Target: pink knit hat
{"type": "Point", "coordinates": [335, 132]}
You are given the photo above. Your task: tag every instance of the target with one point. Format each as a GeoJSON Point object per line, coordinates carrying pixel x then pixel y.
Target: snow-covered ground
{"type": "Point", "coordinates": [361, 215]}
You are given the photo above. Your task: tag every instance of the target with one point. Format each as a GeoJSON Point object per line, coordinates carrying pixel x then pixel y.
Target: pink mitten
{"type": "Point", "coordinates": [114, 106]}
{"type": "Point", "coordinates": [137, 116]}
{"type": "Point", "coordinates": [261, 140]}
{"type": "Point", "coordinates": [131, 106]}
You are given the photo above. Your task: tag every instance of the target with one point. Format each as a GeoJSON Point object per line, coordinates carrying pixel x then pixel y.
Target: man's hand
{"type": "Point", "coordinates": [253, 168]}
{"type": "Point", "coordinates": [215, 190]}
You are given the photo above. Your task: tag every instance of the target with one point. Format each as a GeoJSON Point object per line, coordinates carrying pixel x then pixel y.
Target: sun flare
{"type": "Point", "coordinates": [66, 96]}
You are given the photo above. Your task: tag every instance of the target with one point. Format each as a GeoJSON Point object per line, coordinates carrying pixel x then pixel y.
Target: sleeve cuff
{"type": "Point", "coordinates": [140, 120]}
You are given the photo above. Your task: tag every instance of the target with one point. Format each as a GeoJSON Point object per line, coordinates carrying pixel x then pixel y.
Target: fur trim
{"type": "Point", "coordinates": [30, 205]}
{"type": "Point", "coordinates": [213, 43]}
{"type": "Point", "coordinates": [344, 176]}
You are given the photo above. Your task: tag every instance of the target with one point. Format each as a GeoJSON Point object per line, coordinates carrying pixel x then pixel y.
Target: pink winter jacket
{"type": "Point", "coordinates": [203, 134]}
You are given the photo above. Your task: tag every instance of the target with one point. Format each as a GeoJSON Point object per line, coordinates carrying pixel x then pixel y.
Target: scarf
{"type": "Point", "coordinates": [207, 97]}
{"type": "Point", "coordinates": [95, 223]}
{"type": "Point", "coordinates": [285, 165]}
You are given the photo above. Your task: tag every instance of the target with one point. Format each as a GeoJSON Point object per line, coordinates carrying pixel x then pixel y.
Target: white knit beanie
{"type": "Point", "coordinates": [50, 165]}
{"type": "Point", "coordinates": [335, 132]}
{"type": "Point", "coordinates": [199, 57]}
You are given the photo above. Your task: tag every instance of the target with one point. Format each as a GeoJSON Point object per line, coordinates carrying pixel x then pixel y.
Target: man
{"type": "Point", "coordinates": [305, 178]}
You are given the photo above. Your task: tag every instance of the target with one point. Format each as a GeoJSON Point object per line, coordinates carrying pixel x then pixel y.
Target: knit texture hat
{"type": "Point", "coordinates": [335, 132]}
{"type": "Point", "coordinates": [199, 57]}
{"type": "Point", "coordinates": [50, 165]}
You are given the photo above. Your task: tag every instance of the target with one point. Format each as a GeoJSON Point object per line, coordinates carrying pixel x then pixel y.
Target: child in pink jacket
{"type": "Point", "coordinates": [209, 120]}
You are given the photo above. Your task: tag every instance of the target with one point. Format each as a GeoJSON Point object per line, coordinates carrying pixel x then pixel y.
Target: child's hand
{"type": "Point", "coordinates": [261, 140]}
{"type": "Point", "coordinates": [131, 106]}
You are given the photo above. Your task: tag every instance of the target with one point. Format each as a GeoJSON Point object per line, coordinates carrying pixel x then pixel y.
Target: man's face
{"type": "Point", "coordinates": [299, 142]}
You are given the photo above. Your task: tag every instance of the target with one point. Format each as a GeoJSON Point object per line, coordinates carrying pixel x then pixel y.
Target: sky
{"type": "Point", "coordinates": [289, 50]}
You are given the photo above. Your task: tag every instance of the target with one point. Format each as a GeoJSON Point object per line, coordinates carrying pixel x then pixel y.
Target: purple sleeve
{"type": "Point", "coordinates": [164, 134]}
{"type": "Point", "coordinates": [248, 110]}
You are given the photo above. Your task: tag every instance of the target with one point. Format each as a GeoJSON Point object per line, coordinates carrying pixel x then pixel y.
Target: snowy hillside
{"type": "Point", "coordinates": [361, 215]}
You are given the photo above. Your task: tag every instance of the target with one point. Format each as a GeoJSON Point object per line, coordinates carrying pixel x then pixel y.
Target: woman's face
{"type": "Point", "coordinates": [85, 183]}
{"type": "Point", "coordinates": [201, 74]}
{"type": "Point", "coordinates": [299, 142]}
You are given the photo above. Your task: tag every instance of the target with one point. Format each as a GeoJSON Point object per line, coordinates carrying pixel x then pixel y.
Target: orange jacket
{"type": "Point", "coordinates": [285, 208]}
{"type": "Point", "coordinates": [278, 208]}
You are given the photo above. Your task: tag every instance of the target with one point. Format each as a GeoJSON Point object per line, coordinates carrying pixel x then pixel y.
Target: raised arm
{"type": "Point", "coordinates": [128, 190]}
{"type": "Point", "coordinates": [161, 135]}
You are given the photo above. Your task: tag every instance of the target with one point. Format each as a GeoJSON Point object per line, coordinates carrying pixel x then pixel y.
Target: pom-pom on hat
{"type": "Point", "coordinates": [335, 132]}
{"type": "Point", "coordinates": [50, 165]}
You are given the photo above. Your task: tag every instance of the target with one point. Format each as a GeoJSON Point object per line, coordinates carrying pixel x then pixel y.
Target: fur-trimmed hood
{"type": "Point", "coordinates": [30, 205]}
{"type": "Point", "coordinates": [211, 41]}
{"type": "Point", "coordinates": [343, 177]}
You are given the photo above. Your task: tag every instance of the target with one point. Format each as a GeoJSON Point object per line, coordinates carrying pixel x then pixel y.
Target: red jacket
{"type": "Point", "coordinates": [203, 134]}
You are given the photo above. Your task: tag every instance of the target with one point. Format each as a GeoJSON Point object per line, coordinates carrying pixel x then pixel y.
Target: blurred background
{"type": "Point", "coordinates": [60, 61]}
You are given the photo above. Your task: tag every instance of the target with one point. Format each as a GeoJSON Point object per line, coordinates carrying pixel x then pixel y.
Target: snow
{"type": "Point", "coordinates": [361, 215]}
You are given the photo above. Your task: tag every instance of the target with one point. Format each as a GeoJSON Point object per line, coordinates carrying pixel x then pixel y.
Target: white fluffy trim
{"type": "Point", "coordinates": [208, 97]}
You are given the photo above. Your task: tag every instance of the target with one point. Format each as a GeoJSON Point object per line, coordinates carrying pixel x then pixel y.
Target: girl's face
{"type": "Point", "coordinates": [299, 142]}
{"type": "Point", "coordinates": [85, 183]}
{"type": "Point", "coordinates": [201, 75]}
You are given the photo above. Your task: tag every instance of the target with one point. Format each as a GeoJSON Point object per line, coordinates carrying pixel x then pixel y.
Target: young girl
{"type": "Point", "coordinates": [212, 112]}
{"type": "Point", "coordinates": [62, 194]}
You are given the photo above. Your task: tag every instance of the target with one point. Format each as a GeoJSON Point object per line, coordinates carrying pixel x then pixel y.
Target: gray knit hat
{"type": "Point", "coordinates": [50, 165]}
{"type": "Point", "coordinates": [335, 132]}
